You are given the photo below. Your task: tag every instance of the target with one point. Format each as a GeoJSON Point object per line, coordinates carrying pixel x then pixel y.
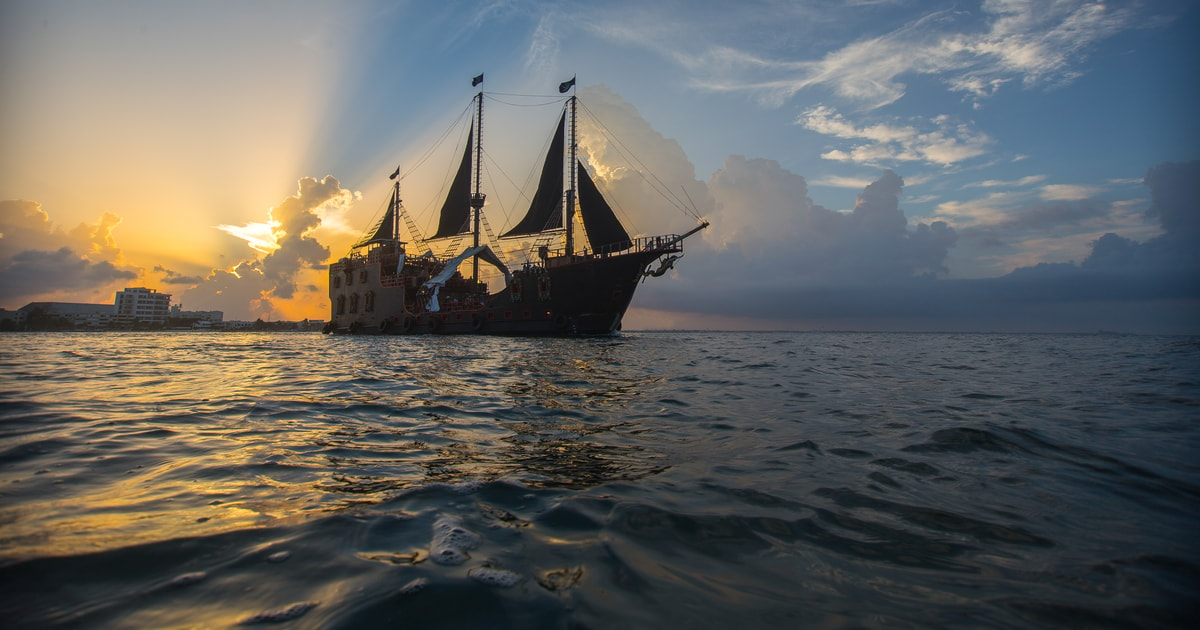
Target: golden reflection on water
{"type": "Point", "coordinates": [170, 436]}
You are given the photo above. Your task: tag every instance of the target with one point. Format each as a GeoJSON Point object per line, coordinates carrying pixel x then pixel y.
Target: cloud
{"type": "Point", "coordinates": [259, 236]}
{"type": "Point", "coordinates": [39, 260]}
{"type": "Point", "coordinates": [1175, 201]}
{"type": "Point", "coordinates": [289, 249]}
{"type": "Point", "coordinates": [1036, 40]}
{"type": "Point", "coordinates": [1069, 192]}
{"type": "Point", "coordinates": [617, 150]}
{"type": "Point", "coordinates": [540, 58]}
{"type": "Point", "coordinates": [1017, 183]}
{"type": "Point", "coordinates": [1173, 256]}
{"type": "Point", "coordinates": [1031, 41]}
{"type": "Point", "coordinates": [765, 215]}
{"type": "Point", "coordinates": [837, 181]}
{"type": "Point", "coordinates": [943, 142]}
{"type": "Point", "coordinates": [773, 257]}
{"type": "Point", "coordinates": [174, 277]}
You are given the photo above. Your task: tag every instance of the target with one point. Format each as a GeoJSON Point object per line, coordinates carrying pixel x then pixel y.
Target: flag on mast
{"type": "Point", "coordinates": [395, 173]}
{"type": "Point", "coordinates": [566, 85]}
{"type": "Point", "coordinates": [477, 80]}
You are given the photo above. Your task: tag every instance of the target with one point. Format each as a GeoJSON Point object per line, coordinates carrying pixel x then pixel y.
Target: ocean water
{"type": "Point", "coordinates": [652, 480]}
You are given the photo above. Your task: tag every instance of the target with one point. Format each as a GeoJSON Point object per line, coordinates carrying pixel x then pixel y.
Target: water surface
{"type": "Point", "coordinates": [651, 480]}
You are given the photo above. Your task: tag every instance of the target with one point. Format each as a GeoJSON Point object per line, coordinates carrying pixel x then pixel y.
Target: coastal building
{"type": "Point", "coordinates": [142, 305]}
{"type": "Point", "coordinates": [177, 312]}
{"type": "Point", "coordinates": [58, 315]}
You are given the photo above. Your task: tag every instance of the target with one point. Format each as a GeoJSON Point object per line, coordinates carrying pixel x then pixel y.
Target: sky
{"type": "Point", "coordinates": [995, 165]}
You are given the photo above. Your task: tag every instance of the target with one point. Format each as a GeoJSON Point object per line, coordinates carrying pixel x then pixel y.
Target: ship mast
{"type": "Point", "coordinates": [569, 221]}
{"type": "Point", "coordinates": [477, 197]}
{"type": "Point", "coordinates": [396, 210]}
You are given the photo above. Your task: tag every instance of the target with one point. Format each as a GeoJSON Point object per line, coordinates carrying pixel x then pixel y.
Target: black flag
{"type": "Point", "coordinates": [566, 85]}
{"type": "Point", "coordinates": [395, 174]}
{"type": "Point", "coordinates": [477, 80]}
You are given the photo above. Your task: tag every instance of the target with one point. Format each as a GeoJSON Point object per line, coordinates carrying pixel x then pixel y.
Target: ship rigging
{"type": "Point", "coordinates": [563, 288]}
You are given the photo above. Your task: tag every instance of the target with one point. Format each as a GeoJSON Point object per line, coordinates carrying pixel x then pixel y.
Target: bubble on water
{"type": "Point", "coordinates": [287, 613]}
{"type": "Point", "coordinates": [279, 556]}
{"type": "Point", "coordinates": [448, 556]}
{"type": "Point", "coordinates": [467, 487]}
{"type": "Point", "coordinates": [451, 541]}
{"type": "Point", "coordinates": [188, 578]}
{"type": "Point", "coordinates": [502, 578]}
{"type": "Point", "coordinates": [414, 586]}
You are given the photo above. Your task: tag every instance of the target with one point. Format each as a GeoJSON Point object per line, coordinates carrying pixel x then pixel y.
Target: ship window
{"type": "Point", "coordinates": [337, 282]}
{"type": "Point", "coordinates": [349, 278]}
{"type": "Point", "coordinates": [354, 303]}
{"type": "Point", "coordinates": [341, 304]}
{"type": "Point", "coordinates": [369, 302]}
{"type": "Point", "coordinates": [362, 276]}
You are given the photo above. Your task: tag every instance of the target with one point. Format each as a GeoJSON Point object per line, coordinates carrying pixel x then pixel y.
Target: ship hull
{"type": "Point", "coordinates": [581, 295]}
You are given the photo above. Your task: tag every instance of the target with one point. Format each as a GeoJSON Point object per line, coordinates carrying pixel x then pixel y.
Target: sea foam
{"type": "Point", "coordinates": [451, 541]}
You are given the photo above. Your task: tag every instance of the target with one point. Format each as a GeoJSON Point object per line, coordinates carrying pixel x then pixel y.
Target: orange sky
{"type": "Point", "coordinates": [144, 142]}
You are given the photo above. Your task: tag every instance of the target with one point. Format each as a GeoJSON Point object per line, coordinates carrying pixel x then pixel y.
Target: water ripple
{"type": "Point", "coordinates": [686, 479]}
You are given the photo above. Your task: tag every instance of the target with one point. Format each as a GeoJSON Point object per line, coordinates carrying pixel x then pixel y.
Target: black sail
{"type": "Point", "coordinates": [385, 231]}
{"type": "Point", "coordinates": [456, 212]}
{"type": "Point", "coordinates": [604, 230]}
{"type": "Point", "coordinates": [545, 213]}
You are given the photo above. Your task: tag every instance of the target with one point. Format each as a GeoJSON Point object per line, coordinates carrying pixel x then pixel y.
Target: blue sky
{"type": "Point", "coordinates": [865, 165]}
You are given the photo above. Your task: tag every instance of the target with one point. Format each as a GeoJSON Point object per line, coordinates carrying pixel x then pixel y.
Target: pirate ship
{"type": "Point", "coordinates": [563, 287]}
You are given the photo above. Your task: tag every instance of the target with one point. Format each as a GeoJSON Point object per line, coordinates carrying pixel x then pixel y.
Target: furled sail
{"type": "Point", "coordinates": [385, 231]}
{"type": "Point", "coordinates": [604, 230]}
{"type": "Point", "coordinates": [545, 213]}
{"type": "Point", "coordinates": [456, 212]}
{"type": "Point", "coordinates": [435, 284]}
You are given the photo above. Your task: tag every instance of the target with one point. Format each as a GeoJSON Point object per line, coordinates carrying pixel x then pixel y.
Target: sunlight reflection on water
{"type": "Point", "coordinates": [746, 479]}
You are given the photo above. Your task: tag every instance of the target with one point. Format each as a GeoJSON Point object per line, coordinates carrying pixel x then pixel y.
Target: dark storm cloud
{"type": "Point", "coordinates": [34, 272]}
{"type": "Point", "coordinates": [38, 258]}
{"type": "Point", "coordinates": [869, 269]}
{"type": "Point", "coordinates": [1175, 199]}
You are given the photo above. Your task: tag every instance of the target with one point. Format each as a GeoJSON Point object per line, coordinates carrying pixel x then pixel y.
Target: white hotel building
{"type": "Point", "coordinates": [143, 305]}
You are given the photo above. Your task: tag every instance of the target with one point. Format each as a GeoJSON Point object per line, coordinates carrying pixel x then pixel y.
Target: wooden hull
{"type": "Point", "coordinates": [582, 295]}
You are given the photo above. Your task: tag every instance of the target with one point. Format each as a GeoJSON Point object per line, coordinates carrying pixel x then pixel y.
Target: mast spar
{"type": "Point", "coordinates": [477, 197]}
{"type": "Point", "coordinates": [569, 220]}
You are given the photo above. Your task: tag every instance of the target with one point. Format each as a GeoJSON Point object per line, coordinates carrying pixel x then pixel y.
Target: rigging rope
{"type": "Point", "coordinates": [642, 169]}
{"type": "Point", "coordinates": [433, 147]}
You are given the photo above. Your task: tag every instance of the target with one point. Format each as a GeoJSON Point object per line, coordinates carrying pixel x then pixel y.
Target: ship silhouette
{"type": "Point", "coordinates": [564, 288]}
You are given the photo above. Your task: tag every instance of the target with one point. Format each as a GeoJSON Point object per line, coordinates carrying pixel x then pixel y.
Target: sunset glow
{"type": "Point", "coordinates": [225, 154]}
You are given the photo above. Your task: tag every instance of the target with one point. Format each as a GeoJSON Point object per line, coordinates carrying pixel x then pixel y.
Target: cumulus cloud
{"type": "Point", "coordinates": [775, 257]}
{"type": "Point", "coordinates": [39, 260]}
{"type": "Point", "coordinates": [764, 213]}
{"type": "Point", "coordinates": [1175, 203]}
{"type": "Point", "coordinates": [288, 249]}
{"type": "Point", "coordinates": [617, 143]}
